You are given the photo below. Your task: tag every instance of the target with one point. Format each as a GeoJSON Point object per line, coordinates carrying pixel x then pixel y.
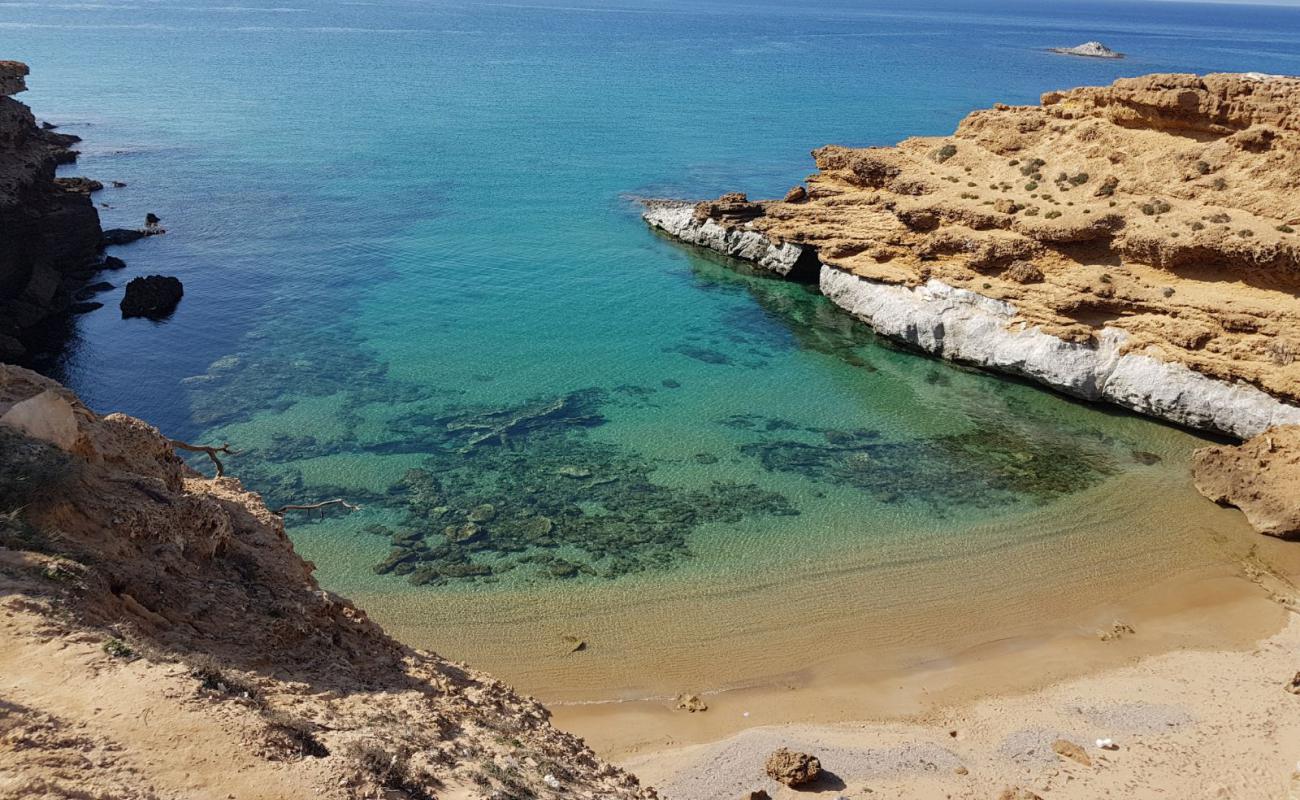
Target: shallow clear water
{"type": "Point", "coordinates": [415, 278]}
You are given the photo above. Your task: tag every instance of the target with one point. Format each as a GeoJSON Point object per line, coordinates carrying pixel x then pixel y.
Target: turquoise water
{"type": "Point", "coordinates": [415, 278]}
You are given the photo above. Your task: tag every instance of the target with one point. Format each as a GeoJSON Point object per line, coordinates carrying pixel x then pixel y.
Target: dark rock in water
{"type": "Point", "coordinates": [48, 126]}
{"type": "Point", "coordinates": [151, 220]}
{"type": "Point", "coordinates": [79, 185]}
{"type": "Point", "coordinates": [87, 292]}
{"type": "Point", "coordinates": [60, 139]}
{"type": "Point", "coordinates": [669, 383]}
{"type": "Point", "coordinates": [155, 296]}
{"type": "Point", "coordinates": [84, 308]}
{"type": "Point", "coordinates": [112, 262]}
{"type": "Point", "coordinates": [116, 236]}
{"type": "Point", "coordinates": [1146, 459]}
{"type": "Point", "coordinates": [482, 513]}
{"type": "Point", "coordinates": [462, 533]}
{"type": "Point", "coordinates": [119, 184]}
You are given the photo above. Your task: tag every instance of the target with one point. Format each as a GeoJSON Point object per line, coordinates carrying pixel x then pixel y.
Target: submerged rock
{"type": "Point", "coordinates": [154, 296]}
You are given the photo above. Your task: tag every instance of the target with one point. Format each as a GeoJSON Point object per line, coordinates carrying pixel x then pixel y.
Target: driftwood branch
{"type": "Point", "coordinates": [211, 451]}
{"type": "Point", "coordinates": [338, 501]}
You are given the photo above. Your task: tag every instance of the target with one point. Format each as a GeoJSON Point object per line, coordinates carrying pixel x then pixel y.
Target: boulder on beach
{"type": "Point", "coordinates": [791, 768]}
{"type": "Point", "coordinates": [154, 296]}
{"type": "Point", "coordinates": [1261, 477]}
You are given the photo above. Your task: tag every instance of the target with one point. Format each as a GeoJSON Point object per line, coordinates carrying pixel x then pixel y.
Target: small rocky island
{"type": "Point", "coordinates": [1088, 50]}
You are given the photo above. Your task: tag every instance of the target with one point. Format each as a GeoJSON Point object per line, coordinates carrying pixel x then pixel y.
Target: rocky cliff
{"type": "Point", "coordinates": [49, 229]}
{"type": "Point", "coordinates": [1134, 243]}
{"type": "Point", "coordinates": [160, 638]}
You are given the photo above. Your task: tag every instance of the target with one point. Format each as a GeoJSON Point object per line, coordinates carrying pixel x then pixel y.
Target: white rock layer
{"type": "Point", "coordinates": [965, 326]}
{"type": "Point", "coordinates": [678, 220]}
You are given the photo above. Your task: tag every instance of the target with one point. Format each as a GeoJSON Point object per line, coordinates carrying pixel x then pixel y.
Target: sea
{"type": "Point", "coordinates": [416, 280]}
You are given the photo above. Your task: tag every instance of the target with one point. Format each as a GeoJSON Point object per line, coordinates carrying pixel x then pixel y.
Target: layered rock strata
{"type": "Point", "coordinates": [49, 229]}
{"type": "Point", "coordinates": [1133, 243]}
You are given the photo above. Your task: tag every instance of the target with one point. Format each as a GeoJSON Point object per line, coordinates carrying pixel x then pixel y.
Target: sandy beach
{"type": "Point", "coordinates": [1196, 700]}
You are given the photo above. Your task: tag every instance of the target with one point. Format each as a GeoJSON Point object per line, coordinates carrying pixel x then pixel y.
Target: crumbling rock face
{"type": "Point", "coordinates": [170, 591]}
{"type": "Point", "coordinates": [49, 229]}
{"type": "Point", "coordinates": [1261, 477]}
{"type": "Point", "coordinates": [1158, 216]}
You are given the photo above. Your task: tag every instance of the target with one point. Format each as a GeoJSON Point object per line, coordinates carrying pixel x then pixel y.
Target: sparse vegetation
{"type": "Point", "coordinates": [1285, 229]}
{"type": "Point", "coordinates": [1219, 184]}
{"type": "Point", "coordinates": [944, 153]}
{"type": "Point", "coordinates": [390, 768]}
{"type": "Point", "coordinates": [294, 735]}
{"type": "Point", "coordinates": [1155, 207]}
{"type": "Point", "coordinates": [119, 649]}
{"type": "Point", "coordinates": [1032, 167]}
{"type": "Point", "coordinates": [212, 679]}
{"type": "Point", "coordinates": [1053, 214]}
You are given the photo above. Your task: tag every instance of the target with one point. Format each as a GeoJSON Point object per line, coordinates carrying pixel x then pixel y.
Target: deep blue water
{"type": "Point", "coordinates": [398, 220]}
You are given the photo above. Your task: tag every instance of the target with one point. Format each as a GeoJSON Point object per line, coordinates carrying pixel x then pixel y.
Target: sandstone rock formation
{"type": "Point", "coordinates": [1261, 477]}
{"type": "Point", "coordinates": [49, 229]}
{"type": "Point", "coordinates": [153, 296]}
{"type": "Point", "coordinates": [791, 768]}
{"type": "Point", "coordinates": [1134, 243]}
{"type": "Point", "coordinates": [160, 638]}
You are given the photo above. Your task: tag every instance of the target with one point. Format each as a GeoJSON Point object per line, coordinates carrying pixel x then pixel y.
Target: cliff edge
{"type": "Point", "coordinates": [49, 229]}
{"type": "Point", "coordinates": [162, 639]}
{"type": "Point", "coordinates": [1134, 243]}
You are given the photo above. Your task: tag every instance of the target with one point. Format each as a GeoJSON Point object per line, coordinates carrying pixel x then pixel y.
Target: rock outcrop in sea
{"type": "Point", "coordinates": [1133, 243]}
{"type": "Point", "coordinates": [49, 229]}
{"type": "Point", "coordinates": [1088, 50]}
{"type": "Point", "coordinates": [161, 638]}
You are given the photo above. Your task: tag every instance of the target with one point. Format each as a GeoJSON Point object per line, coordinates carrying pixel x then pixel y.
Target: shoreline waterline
{"type": "Point", "coordinates": [785, 651]}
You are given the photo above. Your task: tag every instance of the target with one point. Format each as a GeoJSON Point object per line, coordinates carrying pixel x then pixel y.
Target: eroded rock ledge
{"type": "Point", "coordinates": [49, 229]}
{"type": "Point", "coordinates": [1133, 243]}
{"type": "Point", "coordinates": [1261, 477]}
